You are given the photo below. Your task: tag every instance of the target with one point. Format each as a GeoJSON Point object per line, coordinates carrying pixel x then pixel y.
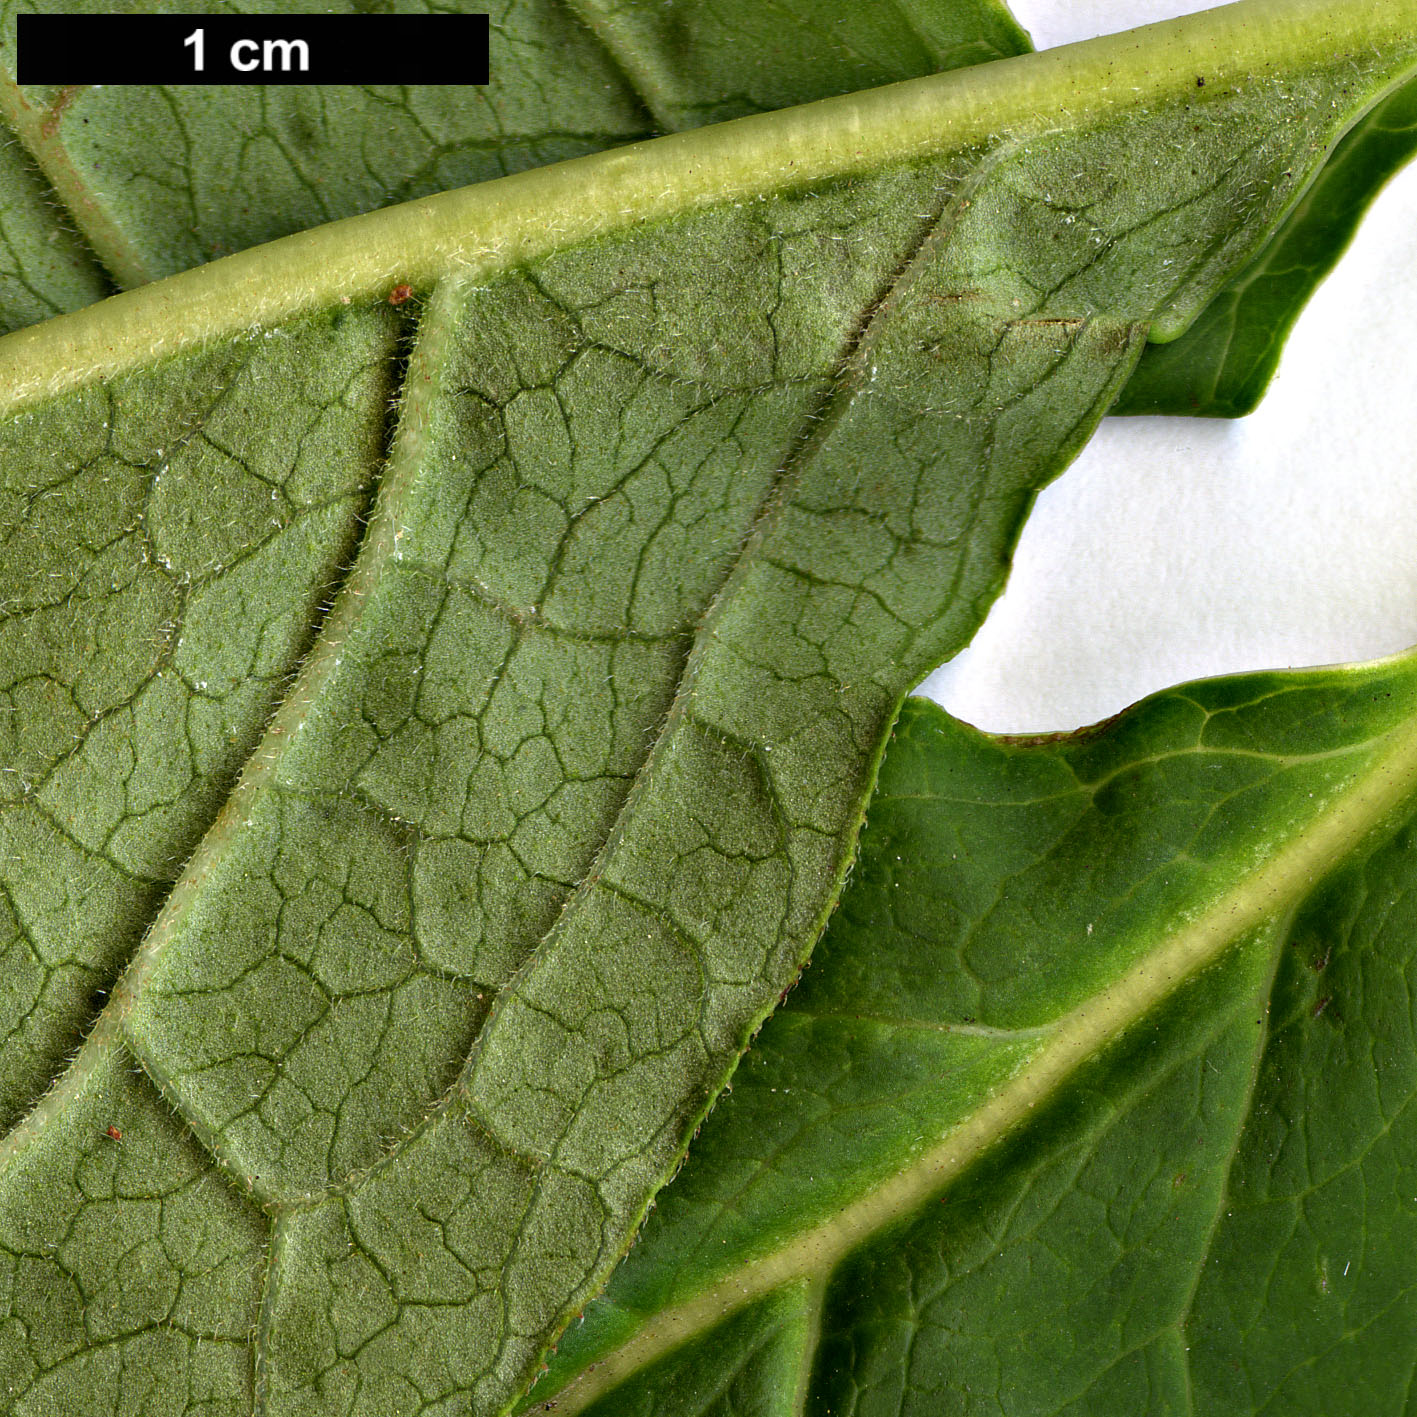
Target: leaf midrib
{"type": "Point", "coordinates": [1375, 796]}
{"type": "Point", "coordinates": [1280, 930]}
{"type": "Point", "coordinates": [493, 226]}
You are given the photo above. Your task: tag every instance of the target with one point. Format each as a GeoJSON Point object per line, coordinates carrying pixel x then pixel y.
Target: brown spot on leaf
{"type": "Point", "coordinates": [62, 100]}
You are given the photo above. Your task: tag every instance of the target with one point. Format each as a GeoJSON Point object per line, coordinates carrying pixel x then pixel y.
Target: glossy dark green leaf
{"type": "Point", "coordinates": [1096, 1097]}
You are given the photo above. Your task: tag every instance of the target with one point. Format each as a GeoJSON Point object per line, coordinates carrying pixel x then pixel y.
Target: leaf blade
{"type": "Point", "coordinates": [847, 630]}
{"type": "Point", "coordinates": [160, 179]}
{"type": "Point", "coordinates": [1221, 366]}
{"type": "Point", "coordinates": [781, 1191]}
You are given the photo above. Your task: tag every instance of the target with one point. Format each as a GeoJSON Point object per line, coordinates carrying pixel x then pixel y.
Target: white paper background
{"type": "Point", "coordinates": [1177, 548]}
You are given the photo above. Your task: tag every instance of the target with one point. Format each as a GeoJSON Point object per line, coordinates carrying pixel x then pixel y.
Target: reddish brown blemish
{"type": "Point", "coordinates": [62, 100]}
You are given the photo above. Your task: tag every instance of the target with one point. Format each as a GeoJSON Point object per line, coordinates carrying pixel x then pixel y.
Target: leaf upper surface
{"type": "Point", "coordinates": [1067, 1228]}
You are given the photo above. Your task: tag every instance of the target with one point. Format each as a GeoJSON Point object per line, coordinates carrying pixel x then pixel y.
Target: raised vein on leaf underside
{"type": "Point", "coordinates": [882, 544]}
{"type": "Point", "coordinates": [585, 1080]}
{"type": "Point", "coordinates": [37, 128]}
{"type": "Point", "coordinates": [381, 536]}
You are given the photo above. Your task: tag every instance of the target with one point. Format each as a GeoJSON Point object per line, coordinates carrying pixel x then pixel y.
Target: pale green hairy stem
{"type": "Point", "coordinates": [493, 226]}
{"type": "Point", "coordinates": [707, 451]}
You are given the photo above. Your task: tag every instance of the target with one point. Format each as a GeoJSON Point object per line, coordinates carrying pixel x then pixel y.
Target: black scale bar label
{"type": "Point", "coordinates": [252, 49]}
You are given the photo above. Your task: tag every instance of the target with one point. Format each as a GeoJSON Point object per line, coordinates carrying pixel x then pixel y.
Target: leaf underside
{"type": "Point", "coordinates": [1221, 366]}
{"type": "Point", "coordinates": [151, 180]}
{"type": "Point", "coordinates": [668, 522]}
